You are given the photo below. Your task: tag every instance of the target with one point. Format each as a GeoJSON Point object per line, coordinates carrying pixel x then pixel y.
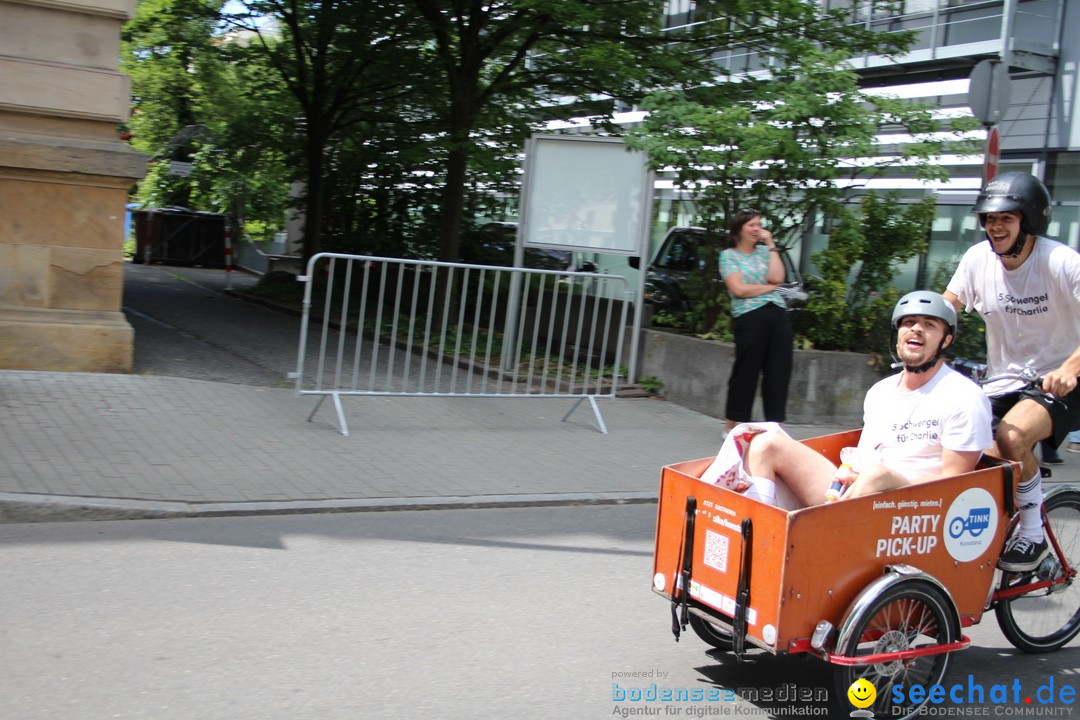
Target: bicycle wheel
{"type": "Point", "coordinates": [904, 616]}
{"type": "Point", "coordinates": [716, 635]}
{"type": "Point", "coordinates": [1046, 619]}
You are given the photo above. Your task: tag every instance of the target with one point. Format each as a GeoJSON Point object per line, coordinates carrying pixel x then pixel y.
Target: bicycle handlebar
{"type": "Point", "coordinates": [977, 372]}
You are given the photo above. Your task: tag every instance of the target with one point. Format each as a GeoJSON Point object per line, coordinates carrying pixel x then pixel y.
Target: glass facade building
{"type": "Point", "coordinates": [1039, 129]}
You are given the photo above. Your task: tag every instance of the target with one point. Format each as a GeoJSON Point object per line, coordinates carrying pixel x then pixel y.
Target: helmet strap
{"type": "Point", "coordinates": [919, 369]}
{"type": "Point", "coordinates": [1017, 247]}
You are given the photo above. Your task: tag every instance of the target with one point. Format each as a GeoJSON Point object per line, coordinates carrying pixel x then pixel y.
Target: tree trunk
{"type": "Point", "coordinates": [313, 200]}
{"type": "Point", "coordinates": [453, 209]}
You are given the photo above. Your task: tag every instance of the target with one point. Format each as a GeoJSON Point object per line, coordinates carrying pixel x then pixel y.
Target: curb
{"type": "Point", "coordinates": [31, 508]}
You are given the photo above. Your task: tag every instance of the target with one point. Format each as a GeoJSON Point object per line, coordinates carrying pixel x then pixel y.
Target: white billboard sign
{"type": "Point", "coordinates": [586, 193]}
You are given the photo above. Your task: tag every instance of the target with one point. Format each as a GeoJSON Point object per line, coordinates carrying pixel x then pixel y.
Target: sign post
{"type": "Point", "coordinates": [586, 193]}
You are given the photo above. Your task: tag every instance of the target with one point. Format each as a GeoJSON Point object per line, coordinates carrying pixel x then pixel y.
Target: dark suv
{"type": "Point", "coordinates": [673, 262]}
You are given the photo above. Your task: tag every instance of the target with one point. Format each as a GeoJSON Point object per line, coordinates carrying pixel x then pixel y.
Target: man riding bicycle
{"type": "Point", "coordinates": [926, 422]}
{"type": "Point", "coordinates": [1026, 287]}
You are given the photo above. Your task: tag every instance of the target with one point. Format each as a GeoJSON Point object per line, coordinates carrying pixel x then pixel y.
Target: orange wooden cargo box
{"type": "Point", "coordinates": [809, 565]}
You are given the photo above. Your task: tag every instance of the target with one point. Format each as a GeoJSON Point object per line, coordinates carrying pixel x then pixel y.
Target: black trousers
{"type": "Point", "coordinates": [763, 340]}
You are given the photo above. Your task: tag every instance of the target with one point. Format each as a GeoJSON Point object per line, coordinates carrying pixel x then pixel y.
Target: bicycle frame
{"type": "Point", "coordinates": [1068, 572]}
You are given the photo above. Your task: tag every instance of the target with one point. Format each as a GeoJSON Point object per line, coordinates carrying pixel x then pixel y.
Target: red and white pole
{"type": "Point", "coordinates": [992, 155]}
{"type": "Point", "coordinates": [228, 255]}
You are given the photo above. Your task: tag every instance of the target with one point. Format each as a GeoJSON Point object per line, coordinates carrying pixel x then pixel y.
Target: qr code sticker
{"type": "Point", "coordinates": [716, 550]}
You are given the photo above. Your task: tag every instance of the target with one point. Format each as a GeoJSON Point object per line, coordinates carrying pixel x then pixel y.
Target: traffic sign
{"type": "Point", "coordinates": [988, 91]}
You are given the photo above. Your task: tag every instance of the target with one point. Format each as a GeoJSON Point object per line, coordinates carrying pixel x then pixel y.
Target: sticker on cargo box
{"type": "Point", "coordinates": [970, 524]}
{"type": "Point", "coordinates": [719, 600]}
{"type": "Point", "coordinates": [716, 550]}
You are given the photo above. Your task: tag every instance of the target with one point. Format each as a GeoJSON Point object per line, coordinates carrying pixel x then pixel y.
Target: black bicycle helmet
{"type": "Point", "coordinates": [1016, 192]}
{"type": "Point", "coordinates": [931, 304]}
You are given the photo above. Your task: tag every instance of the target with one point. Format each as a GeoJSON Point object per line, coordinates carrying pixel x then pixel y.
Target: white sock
{"type": "Point", "coordinates": [1030, 493]}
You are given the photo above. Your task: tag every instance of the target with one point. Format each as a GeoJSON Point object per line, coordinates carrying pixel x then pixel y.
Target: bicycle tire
{"type": "Point", "coordinates": [715, 635]}
{"type": "Point", "coordinates": [905, 615]}
{"type": "Point", "coordinates": [1042, 622]}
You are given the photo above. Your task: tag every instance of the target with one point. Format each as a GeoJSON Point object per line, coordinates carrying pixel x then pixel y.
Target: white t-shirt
{"type": "Point", "coordinates": [1032, 313]}
{"type": "Point", "coordinates": [908, 429]}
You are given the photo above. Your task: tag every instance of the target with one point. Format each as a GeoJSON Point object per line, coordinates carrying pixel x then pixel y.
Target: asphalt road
{"type": "Point", "coordinates": [532, 614]}
{"type": "Point", "coordinates": [185, 327]}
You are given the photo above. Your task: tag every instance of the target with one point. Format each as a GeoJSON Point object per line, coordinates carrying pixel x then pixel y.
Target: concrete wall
{"type": "Point", "coordinates": [826, 387]}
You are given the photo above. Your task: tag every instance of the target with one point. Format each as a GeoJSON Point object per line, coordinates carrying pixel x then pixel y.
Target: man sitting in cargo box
{"type": "Point", "coordinates": [926, 422]}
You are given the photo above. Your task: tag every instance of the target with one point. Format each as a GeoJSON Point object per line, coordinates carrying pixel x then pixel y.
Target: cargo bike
{"type": "Point", "coordinates": [880, 587]}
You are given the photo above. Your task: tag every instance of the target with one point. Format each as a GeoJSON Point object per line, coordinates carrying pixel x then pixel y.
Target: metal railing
{"type": "Point", "coordinates": [388, 326]}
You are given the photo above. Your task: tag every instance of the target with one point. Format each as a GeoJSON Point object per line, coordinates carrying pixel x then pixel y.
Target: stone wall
{"type": "Point", "coordinates": [64, 181]}
{"type": "Point", "coordinates": [826, 387]}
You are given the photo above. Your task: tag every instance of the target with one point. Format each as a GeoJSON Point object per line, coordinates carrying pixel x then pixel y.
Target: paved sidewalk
{"type": "Point", "coordinates": [87, 445]}
{"type": "Point", "coordinates": [81, 445]}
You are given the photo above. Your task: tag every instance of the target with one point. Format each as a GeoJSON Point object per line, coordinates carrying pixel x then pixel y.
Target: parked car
{"type": "Point", "coordinates": [677, 256]}
{"type": "Point", "coordinates": [674, 260]}
{"type": "Point", "coordinates": [493, 244]}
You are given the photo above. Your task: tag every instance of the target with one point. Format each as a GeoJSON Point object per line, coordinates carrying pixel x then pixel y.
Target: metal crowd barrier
{"type": "Point", "coordinates": [387, 326]}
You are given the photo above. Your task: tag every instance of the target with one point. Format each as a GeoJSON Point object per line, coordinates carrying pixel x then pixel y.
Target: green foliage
{"type": "Point", "coordinates": [851, 302]}
{"type": "Point", "coordinates": [651, 383]}
{"type": "Point", "coordinates": [201, 97]}
{"type": "Point", "coordinates": [167, 47]}
{"type": "Point", "coordinates": [710, 316]}
{"type": "Point", "coordinates": [970, 340]}
{"type": "Point", "coordinates": [497, 67]}
{"type": "Point", "coordinates": [404, 118]}
{"type": "Point", "coordinates": [399, 119]}
{"type": "Point", "coordinates": [792, 137]}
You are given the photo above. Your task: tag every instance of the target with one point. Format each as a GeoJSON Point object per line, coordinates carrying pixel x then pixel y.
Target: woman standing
{"type": "Point", "coordinates": [752, 270]}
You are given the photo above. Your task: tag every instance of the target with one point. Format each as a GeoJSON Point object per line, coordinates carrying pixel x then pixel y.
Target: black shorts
{"type": "Point", "coordinates": [1064, 412]}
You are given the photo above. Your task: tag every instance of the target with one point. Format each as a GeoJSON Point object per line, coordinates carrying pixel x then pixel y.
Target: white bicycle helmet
{"type": "Point", "coordinates": [931, 304]}
{"type": "Point", "coordinates": [925, 302]}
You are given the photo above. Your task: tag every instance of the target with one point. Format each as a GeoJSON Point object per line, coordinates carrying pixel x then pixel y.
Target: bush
{"type": "Point", "coordinates": [851, 304]}
{"type": "Point", "coordinates": [970, 340]}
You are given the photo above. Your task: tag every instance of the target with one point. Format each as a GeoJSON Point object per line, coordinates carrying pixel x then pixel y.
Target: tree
{"type": "Point", "coordinates": [790, 131]}
{"type": "Point", "coordinates": [166, 47]}
{"type": "Point", "coordinates": [345, 63]}
{"type": "Point", "coordinates": [200, 96]}
{"type": "Point", "coordinates": [509, 65]}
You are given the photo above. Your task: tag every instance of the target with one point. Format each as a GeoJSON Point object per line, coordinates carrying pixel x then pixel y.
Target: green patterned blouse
{"type": "Point", "coordinates": [754, 267]}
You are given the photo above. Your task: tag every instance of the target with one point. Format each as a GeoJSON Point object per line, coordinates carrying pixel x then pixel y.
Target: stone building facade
{"type": "Point", "coordinates": [64, 181]}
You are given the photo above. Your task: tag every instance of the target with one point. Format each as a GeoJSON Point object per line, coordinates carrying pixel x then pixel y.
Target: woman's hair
{"type": "Point", "coordinates": [740, 218]}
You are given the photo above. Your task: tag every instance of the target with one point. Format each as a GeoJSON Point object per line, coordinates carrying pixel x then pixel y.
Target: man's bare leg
{"type": "Point", "coordinates": [1024, 425]}
{"type": "Point", "coordinates": [779, 457]}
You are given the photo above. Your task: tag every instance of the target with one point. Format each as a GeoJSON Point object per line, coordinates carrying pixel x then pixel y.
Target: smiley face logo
{"type": "Point", "coordinates": [862, 693]}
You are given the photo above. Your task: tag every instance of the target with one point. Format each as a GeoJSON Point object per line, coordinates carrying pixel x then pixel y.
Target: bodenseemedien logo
{"type": "Point", "coordinates": [970, 524]}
